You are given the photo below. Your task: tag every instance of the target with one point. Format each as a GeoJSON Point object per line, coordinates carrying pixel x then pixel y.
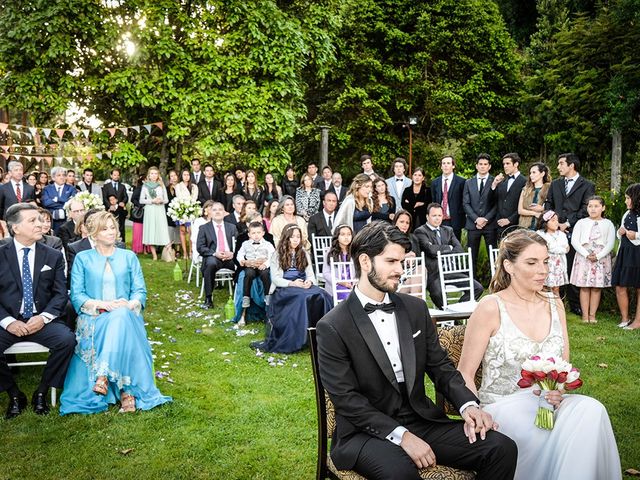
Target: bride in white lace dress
{"type": "Point", "coordinates": [518, 321]}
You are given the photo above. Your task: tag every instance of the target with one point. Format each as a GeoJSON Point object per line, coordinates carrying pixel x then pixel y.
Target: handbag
{"type": "Point", "coordinates": [137, 212]}
{"type": "Point", "coordinates": [168, 254]}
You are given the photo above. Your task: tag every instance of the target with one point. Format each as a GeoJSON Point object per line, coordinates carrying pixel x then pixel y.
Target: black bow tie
{"type": "Point", "coordinates": [385, 307]}
{"type": "Point", "coordinates": [256, 243]}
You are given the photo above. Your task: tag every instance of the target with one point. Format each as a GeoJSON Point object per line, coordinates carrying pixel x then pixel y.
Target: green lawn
{"type": "Point", "coordinates": [237, 415]}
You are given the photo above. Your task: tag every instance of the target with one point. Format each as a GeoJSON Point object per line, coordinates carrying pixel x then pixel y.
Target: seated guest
{"type": "Point", "coordinates": [270, 213]}
{"type": "Point", "coordinates": [249, 208]}
{"type": "Point", "coordinates": [285, 215]}
{"type": "Point", "coordinates": [234, 216]}
{"type": "Point", "coordinates": [48, 238]}
{"type": "Point", "coordinates": [32, 297]}
{"type": "Point", "coordinates": [113, 359]}
{"type": "Point", "coordinates": [254, 258]}
{"type": "Point", "coordinates": [321, 224]}
{"type": "Point", "coordinates": [297, 302]}
{"type": "Point", "coordinates": [214, 244]}
{"type": "Point", "coordinates": [338, 252]}
{"type": "Point", "coordinates": [433, 237]}
{"type": "Point", "coordinates": [56, 195]}
{"type": "Point", "coordinates": [75, 209]}
{"type": "Point", "coordinates": [357, 206]}
{"type": "Point", "coordinates": [404, 222]}
{"type": "Point", "coordinates": [84, 242]}
{"type": "Point", "coordinates": [307, 198]}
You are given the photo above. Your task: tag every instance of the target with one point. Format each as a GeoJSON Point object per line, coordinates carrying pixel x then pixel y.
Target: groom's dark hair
{"type": "Point", "coordinates": [373, 239]}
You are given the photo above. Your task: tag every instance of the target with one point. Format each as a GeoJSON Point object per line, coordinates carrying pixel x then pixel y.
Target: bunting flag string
{"type": "Point", "coordinates": [60, 132]}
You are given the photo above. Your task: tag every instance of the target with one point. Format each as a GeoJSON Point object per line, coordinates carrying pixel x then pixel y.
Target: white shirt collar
{"type": "Point", "coordinates": [574, 178]}
{"type": "Point", "coordinates": [364, 299]}
{"type": "Point", "coordinates": [447, 177]}
{"type": "Point", "coordinates": [20, 246]}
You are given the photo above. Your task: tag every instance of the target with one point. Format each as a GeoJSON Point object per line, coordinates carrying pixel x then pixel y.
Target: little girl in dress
{"type": "Point", "coordinates": [549, 229]}
{"type": "Point", "coordinates": [593, 239]}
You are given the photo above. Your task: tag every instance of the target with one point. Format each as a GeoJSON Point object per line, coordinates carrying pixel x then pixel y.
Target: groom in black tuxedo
{"type": "Point", "coordinates": [374, 350]}
{"type": "Point", "coordinates": [33, 295]}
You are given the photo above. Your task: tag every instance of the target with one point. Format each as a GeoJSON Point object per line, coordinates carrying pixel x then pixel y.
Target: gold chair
{"type": "Point", "coordinates": [327, 424]}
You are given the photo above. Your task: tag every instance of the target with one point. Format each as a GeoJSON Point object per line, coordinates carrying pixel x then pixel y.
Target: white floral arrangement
{"type": "Point", "coordinates": [184, 210]}
{"type": "Point", "coordinates": [88, 199]}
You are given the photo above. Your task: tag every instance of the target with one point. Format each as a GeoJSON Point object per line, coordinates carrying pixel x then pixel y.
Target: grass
{"type": "Point", "coordinates": [236, 416]}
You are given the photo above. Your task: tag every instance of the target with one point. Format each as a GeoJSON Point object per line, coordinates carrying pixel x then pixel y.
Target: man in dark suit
{"type": "Point", "coordinates": [16, 190]}
{"type": "Point", "coordinates": [433, 237]}
{"type": "Point", "coordinates": [208, 188]}
{"type": "Point", "coordinates": [324, 182]}
{"type": "Point", "coordinates": [374, 350]}
{"type": "Point", "coordinates": [215, 245]}
{"type": "Point", "coordinates": [322, 223]}
{"type": "Point", "coordinates": [480, 209]}
{"type": "Point", "coordinates": [87, 183]}
{"type": "Point", "coordinates": [196, 172]}
{"type": "Point", "coordinates": [337, 187]}
{"type": "Point", "coordinates": [447, 190]}
{"type": "Point", "coordinates": [237, 202]}
{"type": "Point", "coordinates": [55, 195]}
{"type": "Point", "coordinates": [505, 192]}
{"type": "Point", "coordinates": [67, 232]}
{"type": "Point", "coordinates": [32, 296]}
{"type": "Point", "coordinates": [569, 196]}
{"type": "Point", "coordinates": [116, 188]}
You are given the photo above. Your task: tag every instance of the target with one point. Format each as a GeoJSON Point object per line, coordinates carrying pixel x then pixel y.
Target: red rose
{"type": "Point", "coordinates": [524, 383]}
{"type": "Point", "coordinates": [573, 385]}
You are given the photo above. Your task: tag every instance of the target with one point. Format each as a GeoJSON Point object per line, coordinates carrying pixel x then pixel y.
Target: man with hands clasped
{"type": "Point", "coordinates": [374, 350]}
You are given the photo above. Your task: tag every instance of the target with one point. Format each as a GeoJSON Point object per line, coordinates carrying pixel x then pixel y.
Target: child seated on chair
{"type": "Point", "coordinates": [254, 257]}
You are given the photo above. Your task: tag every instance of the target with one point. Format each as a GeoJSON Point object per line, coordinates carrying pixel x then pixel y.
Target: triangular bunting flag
{"type": "Point", "coordinates": [3, 127]}
{"type": "Point", "coordinates": [29, 148]}
{"type": "Point", "coordinates": [74, 132]}
{"type": "Point", "coordinates": [112, 131]}
{"type": "Point", "coordinates": [5, 147]}
{"type": "Point", "coordinates": [68, 159]}
{"type": "Point", "coordinates": [98, 131]}
{"type": "Point", "coordinates": [49, 160]}
{"type": "Point", "coordinates": [136, 128]}
{"type": "Point", "coordinates": [99, 156]}
{"type": "Point", "coordinates": [124, 130]}
{"type": "Point", "coordinates": [28, 157]}
{"type": "Point", "coordinates": [148, 127]}
{"type": "Point", "coordinates": [60, 132]}
{"type": "Point", "coordinates": [158, 124]}
{"type": "Point", "coordinates": [47, 132]}
{"type": "Point", "coordinates": [33, 130]}
{"type": "Point", "coordinates": [109, 154]}
{"type": "Point", "coordinates": [85, 132]}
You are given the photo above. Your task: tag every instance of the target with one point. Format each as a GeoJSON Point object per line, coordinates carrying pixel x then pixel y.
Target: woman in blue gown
{"type": "Point", "coordinates": [297, 302]}
{"type": "Point", "coordinates": [112, 360]}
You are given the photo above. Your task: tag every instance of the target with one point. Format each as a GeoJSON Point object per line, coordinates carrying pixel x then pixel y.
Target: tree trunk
{"type": "Point", "coordinates": [164, 155]}
{"type": "Point", "coordinates": [616, 161]}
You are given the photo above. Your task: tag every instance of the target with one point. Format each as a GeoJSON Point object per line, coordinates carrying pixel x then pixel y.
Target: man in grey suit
{"type": "Point", "coordinates": [399, 181]}
{"type": "Point", "coordinates": [480, 209]}
{"type": "Point", "coordinates": [15, 190]}
{"type": "Point", "coordinates": [433, 237]}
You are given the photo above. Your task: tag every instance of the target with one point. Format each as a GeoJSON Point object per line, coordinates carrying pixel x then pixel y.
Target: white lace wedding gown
{"type": "Point", "coordinates": [580, 446]}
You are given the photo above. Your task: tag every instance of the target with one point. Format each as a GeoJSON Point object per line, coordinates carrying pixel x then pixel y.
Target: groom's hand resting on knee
{"type": "Point", "coordinates": [477, 421]}
{"type": "Point", "coordinates": [419, 450]}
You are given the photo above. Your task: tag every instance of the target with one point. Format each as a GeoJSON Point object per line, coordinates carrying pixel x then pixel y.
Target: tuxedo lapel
{"type": "Point", "coordinates": [577, 184]}
{"type": "Point", "coordinates": [39, 263]}
{"type": "Point", "coordinates": [11, 258]}
{"type": "Point", "coordinates": [370, 336]}
{"type": "Point", "coordinates": [405, 337]}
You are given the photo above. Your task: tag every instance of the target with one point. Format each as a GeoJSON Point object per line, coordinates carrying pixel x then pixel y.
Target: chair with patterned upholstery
{"type": "Point", "coordinates": [327, 424]}
{"type": "Point", "coordinates": [451, 339]}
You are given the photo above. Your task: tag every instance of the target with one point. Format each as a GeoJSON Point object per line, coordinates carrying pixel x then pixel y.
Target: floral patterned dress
{"type": "Point", "coordinates": [586, 273]}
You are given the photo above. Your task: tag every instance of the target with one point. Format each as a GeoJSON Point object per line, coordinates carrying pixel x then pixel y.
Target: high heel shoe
{"type": "Point", "coordinates": [101, 386]}
{"type": "Point", "coordinates": [127, 403]}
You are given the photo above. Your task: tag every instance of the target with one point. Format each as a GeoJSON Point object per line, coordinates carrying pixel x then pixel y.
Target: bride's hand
{"type": "Point", "coordinates": [554, 397]}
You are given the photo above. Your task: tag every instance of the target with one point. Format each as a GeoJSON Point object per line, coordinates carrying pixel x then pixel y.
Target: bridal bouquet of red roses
{"type": "Point", "coordinates": [549, 374]}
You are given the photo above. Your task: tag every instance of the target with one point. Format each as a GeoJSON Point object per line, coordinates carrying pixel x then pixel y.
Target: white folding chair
{"type": "Point", "coordinates": [456, 277]}
{"type": "Point", "coordinates": [196, 259]}
{"type": "Point", "coordinates": [224, 275]}
{"type": "Point", "coordinates": [414, 280]}
{"type": "Point", "coordinates": [343, 272]}
{"type": "Point", "coordinates": [320, 245]}
{"type": "Point", "coordinates": [21, 348]}
{"type": "Point", "coordinates": [493, 256]}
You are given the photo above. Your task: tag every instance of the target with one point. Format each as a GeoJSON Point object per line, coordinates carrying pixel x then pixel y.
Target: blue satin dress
{"type": "Point", "coordinates": [112, 344]}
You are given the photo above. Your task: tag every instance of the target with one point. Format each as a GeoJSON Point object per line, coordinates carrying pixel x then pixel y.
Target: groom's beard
{"type": "Point", "coordinates": [388, 285]}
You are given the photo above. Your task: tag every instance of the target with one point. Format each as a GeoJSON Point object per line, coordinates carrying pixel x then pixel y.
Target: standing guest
{"type": "Point", "coordinates": [271, 190]}
{"type": "Point", "coordinates": [31, 299]}
{"type": "Point", "coordinates": [626, 272]}
{"type": "Point", "coordinates": [154, 224]}
{"type": "Point", "coordinates": [234, 218]}
{"type": "Point", "coordinates": [87, 184]}
{"type": "Point", "coordinates": [136, 243]}
{"type": "Point", "coordinates": [404, 222]}
{"type": "Point", "coordinates": [56, 195]}
{"type": "Point", "coordinates": [367, 166]}
{"type": "Point", "coordinates": [229, 191]}
{"type": "Point", "coordinates": [215, 240]}
{"type": "Point", "coordinates": [338, 252]}
{"type": "Point", "coordinates": [254, 258]}
{"type": "Point", "coordinates": [480, 209]}
{"type": "Point", "coordinates": [67, 232]}
{"type": "Point", "coordinates": [357, 206]}
{"type": "Point", "coordinates": [241, 177]}
{"type": "Point", "coordinates": [384, 206]}
{"type": "Point", "coordinates": [248, 209]}
{"type": "Point", "coordinates": [448, 191]}
{"type": "Point", "coordinates": [593, 239]}
{"type": "Point", "coordinates": [32, 179]}
{"type": "Point", "coordinates": [6, 177]}
{"type": "Point", "coordinates": [307, 198]}
{"type": "Point", "coordinates": [285, 215]}
{"type": "Point", "coordinates": [568, 197]}
{"type": "Point", "coordinates": [270, 213]}
{"type": "Point", "coordinates": [113, 360]}
{"type": "Point", "coordinates": [338, 188]}
{"type": "Point", "coordinates": [117, 189]}
{"type": "Point", "coordinates": [520, 320]}
{"type": "Point", "coordinates": [533, 196]}
{"type": "Point", "coordinates": [386, 426]}
{"type": "Point", "coordinates": [416, 198]}
{"type": "Point", "coordinates": [558, 246]}
{"type": "Point", "coordinates": [172, 227]}
{"type": "Point", "coordinates": [290, 183]}
{"type": "Point", "coordinates": [16, 190]}
{"type": "Point", "coordinates": [506, 189]}
{"type": "Point", "coordinates": [312, 170]}
{"type": "Point", "coordinates": [321, 224]}
{"type": "Point", "coordinates": [208, 188]}
{"type": "Point", "coordinates": [43, 181]}
{"type": "Point", "coordinates": [186, 190]}
{"type": "Point", "coordinates": [71, 178]}
{"type": "Point", "coordinates": [253, 191]}
{"type": "Point", "coordinates": [325, 182]}
{"type": "Point", "coordinates": [297, 302]}
{"type": "Point", "coordinates": [399, 182]}
{"type": "Point", "coordinates": [196, 172]}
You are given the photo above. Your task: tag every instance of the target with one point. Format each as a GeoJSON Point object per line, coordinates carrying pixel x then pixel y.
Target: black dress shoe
{"type": "Point", "coordinates": [39, 403]}
{"type": "Point", "coordinates": [207, 305]}
{"type": "Point", "coordinates": [17, 404]}
{"type": "Point", "coordinates": [577, 311]}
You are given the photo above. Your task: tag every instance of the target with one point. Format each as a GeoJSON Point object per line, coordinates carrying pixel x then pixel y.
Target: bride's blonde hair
{"type": "Point", "coordinates": [510, 249]}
